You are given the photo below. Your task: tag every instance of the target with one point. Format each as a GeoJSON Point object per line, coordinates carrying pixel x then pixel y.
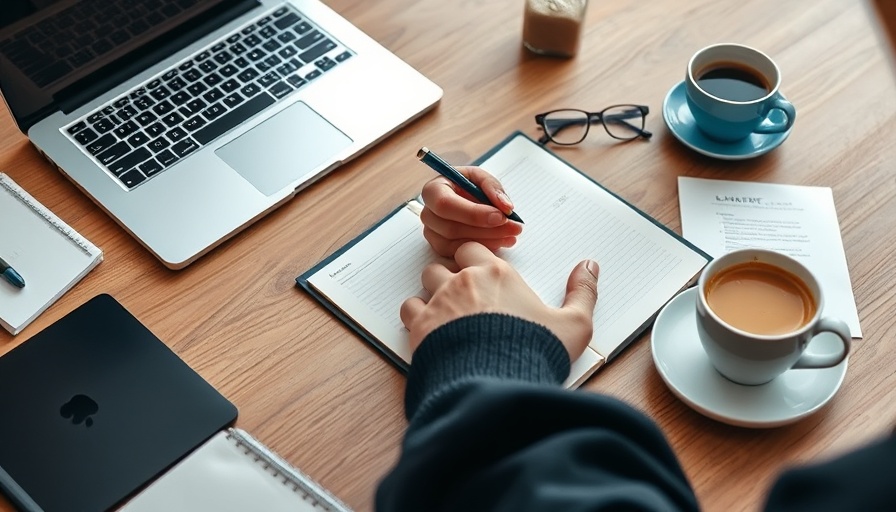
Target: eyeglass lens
{"type": "Point", "coordinates": [570, 126]}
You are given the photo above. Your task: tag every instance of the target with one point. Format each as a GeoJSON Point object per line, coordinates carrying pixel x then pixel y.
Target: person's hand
{"type": "Point", "coordinates": [483, 283]}
{"type": "Point", "coordinates": [451, 217]}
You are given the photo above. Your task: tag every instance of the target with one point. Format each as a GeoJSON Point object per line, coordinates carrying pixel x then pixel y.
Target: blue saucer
{"type": "Point", "coordinates": [680, 121]}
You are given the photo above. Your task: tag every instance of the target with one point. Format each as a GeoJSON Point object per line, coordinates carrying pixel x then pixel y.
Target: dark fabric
{"type": "Point", "coordinates": [492, 429]}
{"type": "Point", "coordinates": [862, 480]}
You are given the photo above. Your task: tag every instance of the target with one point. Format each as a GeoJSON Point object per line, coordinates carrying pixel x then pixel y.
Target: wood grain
{"type": "Point", "coordinates": [330, 404]}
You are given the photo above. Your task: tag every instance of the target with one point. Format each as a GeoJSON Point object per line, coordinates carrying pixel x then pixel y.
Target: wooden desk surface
{"type": "Point", "coordinates": [330, 404]}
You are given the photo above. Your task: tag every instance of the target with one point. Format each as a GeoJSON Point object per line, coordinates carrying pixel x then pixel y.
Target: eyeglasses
{"type": "Point", "coordinates": [570, 126]}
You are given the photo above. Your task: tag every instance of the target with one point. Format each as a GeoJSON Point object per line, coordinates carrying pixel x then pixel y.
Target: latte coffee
{"type": "Point", "coordinates": [760, 298]}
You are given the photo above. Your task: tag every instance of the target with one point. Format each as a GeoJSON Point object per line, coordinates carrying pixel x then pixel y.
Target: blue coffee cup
{"type": "Point", "coordinates": [732, 92]}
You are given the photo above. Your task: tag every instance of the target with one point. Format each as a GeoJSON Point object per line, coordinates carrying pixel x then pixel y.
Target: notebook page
{"type": "Point", "coordinates": [568, 219]}
{"type": "Point", "coordinates": [371, 280]}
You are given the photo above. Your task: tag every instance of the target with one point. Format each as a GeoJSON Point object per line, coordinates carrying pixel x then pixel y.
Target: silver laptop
{"type": "Point", "coordinates": [187, 120]}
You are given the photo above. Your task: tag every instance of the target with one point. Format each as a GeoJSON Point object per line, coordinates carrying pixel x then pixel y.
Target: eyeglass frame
{"type": "Point", "coordinates": [593, 117]}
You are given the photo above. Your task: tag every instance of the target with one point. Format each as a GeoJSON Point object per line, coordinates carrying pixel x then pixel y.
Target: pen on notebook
{"type": "Point", "coordinates": [11, 275]}
{"type": "Point", "coordinates": [447, 170]}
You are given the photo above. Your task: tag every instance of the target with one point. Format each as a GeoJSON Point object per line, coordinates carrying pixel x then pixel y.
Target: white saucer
{"type": "Point", "coordinates": [683, 365]}
{"type": "Point", "coordinates": [680, 121]}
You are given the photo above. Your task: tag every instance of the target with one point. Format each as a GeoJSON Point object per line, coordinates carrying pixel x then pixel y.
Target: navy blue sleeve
{"type": "Point", "coordinates": [491, 428]}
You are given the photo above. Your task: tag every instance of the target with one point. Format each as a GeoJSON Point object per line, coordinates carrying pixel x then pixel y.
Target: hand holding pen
{"type": "Point", "coordinates": [451, 216]}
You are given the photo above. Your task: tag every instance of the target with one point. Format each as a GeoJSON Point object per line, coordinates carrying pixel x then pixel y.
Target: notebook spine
{"type": "Point", "coordinates": [279, 468]}
{"type": "Point", "coordinates": [49, 217]}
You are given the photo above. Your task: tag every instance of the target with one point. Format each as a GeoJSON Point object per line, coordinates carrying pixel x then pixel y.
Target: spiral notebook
{"type": "Point", "coordinates": [49, 255]}
{"type": "Point", "coordinates": [233, 471]}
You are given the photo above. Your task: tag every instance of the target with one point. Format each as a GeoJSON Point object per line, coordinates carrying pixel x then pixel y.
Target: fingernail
{"type": "Point", "coordinates": [496, 219]}
{"type": "Point", "coordinates": [506, 201]}
{"type": "Point", "coordinates": [592, 268]}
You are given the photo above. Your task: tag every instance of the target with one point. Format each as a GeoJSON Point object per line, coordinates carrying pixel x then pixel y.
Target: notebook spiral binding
{"type": "Point", "coordinates": [281, 469]}
{"type": "Point", "coordinates": [49, 217]}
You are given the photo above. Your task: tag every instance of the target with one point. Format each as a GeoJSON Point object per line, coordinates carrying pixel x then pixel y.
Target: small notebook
{"type": "Point", "coordinates": [569, 218]}
{"type": "Point", "coordinates": [49, 255]}
{"type": "Point", "coordinates": [234, 472]}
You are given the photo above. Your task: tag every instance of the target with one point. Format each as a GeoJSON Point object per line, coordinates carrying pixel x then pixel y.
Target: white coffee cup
{"type": "Point", "coordinates": [740, 336]}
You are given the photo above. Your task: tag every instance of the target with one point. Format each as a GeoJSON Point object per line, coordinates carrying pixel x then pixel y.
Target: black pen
{"type": "Point", "coordinates": [11, 275]}
{"type": "Point", "coordinates": [454, 176]}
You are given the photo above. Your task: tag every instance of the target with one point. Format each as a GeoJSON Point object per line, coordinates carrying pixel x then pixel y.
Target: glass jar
{"type": "Point", "coordinates": [553, 27]}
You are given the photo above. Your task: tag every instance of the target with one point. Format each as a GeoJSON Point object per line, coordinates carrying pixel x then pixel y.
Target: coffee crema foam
{"type": "Point", "coordinates": [760, 298]}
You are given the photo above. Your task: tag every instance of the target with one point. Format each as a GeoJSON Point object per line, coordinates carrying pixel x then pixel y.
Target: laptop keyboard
{"type": "Point", "coordinates": [147, 130]}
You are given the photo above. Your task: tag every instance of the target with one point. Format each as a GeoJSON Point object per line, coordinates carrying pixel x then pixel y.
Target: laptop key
{"type": "Point", "coordinates": [280, 89]}
{"type": "Point", "coordinates": [101, 144]}
{"type": "Point", "coordinates": [172, 119]}
{"type": "Point", "coordinates": [268, 79]}
{"type": "Point", "coordinates": [176, 134]}
{"type": "Point", "coordinates": [115, 152]}
{"type": "Point", "coordinates": [193, 106]}
{"type": "Point", "coordinates": [163, 108]}
{"type": "Point", "coordinates": [129, 161]}
{"type": "Point", "coordinates": [126, 129]}
{"type": "Point", "coordinates": [104, 125]}
{"type": "Point", "coordinates": [250, 90]}
{"type": "Point", "coordinates": [150, 167]}
{"type": "Point", "coordinates": [229, 70]}
{"type": "Point", "coordinates": [233, 100]}
{"type": "Point", "coordinates": [302, 28]}
{"type": "Point", "coordinates": [185, 147]}
{"type": "Point", "coordinates": [166, 157]}
{"type": "Point", "coordinates": [247, 75]}
{"type": "Point", "coordinates": [194, 123]}
{"type": "Point", "coordinates": [233, 118]}
{"type": "Point", "coordinates": [155, 129]}
{"type": "Point", "coordinates": [343, 56]}
{"type": "Point", "coordinates": [191, 75]}
{"type": "Point", "coordinates": [159, 144]}
{"type": "Point", "coordinates": [77, 127]}
{"type": "Point", "coordinates": [138, 139]}
{"type": "Point", "coordinates": [286, 21]}
{"type": "Point", "coordinates": [296, 81]}
{"type": "Point", "coordinates": [85, 136]}
{"type": "Point", "coordinates": [309, 39]}
{"type": "Point", "coordinates": [144, 102]}
{"type": "Point", "coordinates": [317, 51]}
{"type": "Point", "coordinates": [230, 85]}
{"type": "Point", "coordinates": [132, 178]}
{"type": "Point", "coordinates": [213, 95]}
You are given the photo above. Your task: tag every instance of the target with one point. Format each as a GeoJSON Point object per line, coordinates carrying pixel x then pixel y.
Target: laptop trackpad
{"type": "Point", "coordinates": [293, 143]}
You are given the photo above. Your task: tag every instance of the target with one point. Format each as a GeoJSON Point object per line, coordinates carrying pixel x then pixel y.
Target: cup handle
{"type": "Point", "coordinates": [777, 103]}
{"type": "Point", "coordinates": [837, 327]}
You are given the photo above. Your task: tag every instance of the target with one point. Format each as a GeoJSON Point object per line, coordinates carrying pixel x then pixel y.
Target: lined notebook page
{"type": "Point", "coordinates": [568, 219]}
{"type": "Point", "coordinates": [233, 472]}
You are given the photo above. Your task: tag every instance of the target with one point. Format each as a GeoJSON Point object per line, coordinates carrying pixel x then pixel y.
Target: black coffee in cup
{"type": "Point", "coordinates": [733, 82]}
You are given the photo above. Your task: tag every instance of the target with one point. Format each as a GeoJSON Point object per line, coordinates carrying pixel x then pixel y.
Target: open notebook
{"type": "Point", "coordinates": [569, 218]}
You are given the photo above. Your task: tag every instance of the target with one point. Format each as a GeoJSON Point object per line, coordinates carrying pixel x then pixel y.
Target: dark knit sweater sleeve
{"type": "Point", "coordinates": [491, 428]}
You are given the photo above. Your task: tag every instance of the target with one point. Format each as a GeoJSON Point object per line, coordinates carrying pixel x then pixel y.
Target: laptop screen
{"type": "Point", "coordinates": [54, 49]}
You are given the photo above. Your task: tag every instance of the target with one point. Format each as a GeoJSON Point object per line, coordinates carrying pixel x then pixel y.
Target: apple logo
{"type": "Point", "coordinates": [79, 409]}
